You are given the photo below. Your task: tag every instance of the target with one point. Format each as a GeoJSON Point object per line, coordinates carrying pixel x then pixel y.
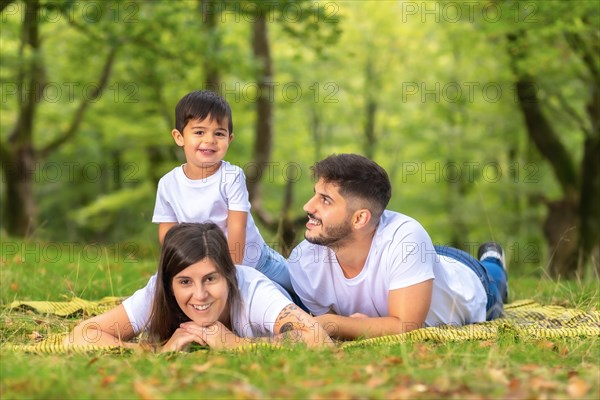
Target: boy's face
{"type": "Point", "coordinates": [205, 143]}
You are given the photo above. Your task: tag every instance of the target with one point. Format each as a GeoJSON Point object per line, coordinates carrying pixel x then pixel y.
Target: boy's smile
{"type": "Point", "coordinates": [205, 143]}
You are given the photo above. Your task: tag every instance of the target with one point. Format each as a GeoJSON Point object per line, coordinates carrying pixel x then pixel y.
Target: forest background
{"type": "Point", "coordinates": [484, 113]}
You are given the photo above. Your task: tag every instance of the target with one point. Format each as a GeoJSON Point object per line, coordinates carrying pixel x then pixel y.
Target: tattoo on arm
{"type": "Point", "coordinates": [296, 322]}
{"type": "Point", "coordinates": [288, 326]}
{"type": "Point", "coordinates": [289, 309]}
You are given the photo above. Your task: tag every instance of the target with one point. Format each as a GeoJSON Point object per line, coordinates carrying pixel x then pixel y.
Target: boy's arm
{"type": "Point", "coordinates": [236, 234]}
{"type": "Point", "coordinates": [407, 310]}
{"type": "Point", "coordinates": [163, 228]}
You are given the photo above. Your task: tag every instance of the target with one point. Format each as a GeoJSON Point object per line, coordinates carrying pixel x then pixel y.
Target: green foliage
{"type": "Point", "coordinates": [447, 127]}
{"type": "Point", "coordinates": [523, 370]}
{"type": "Point", "coordinates": [508, 367]}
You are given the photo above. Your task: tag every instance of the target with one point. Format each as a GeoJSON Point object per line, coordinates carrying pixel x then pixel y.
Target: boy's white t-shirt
{"type": "Point", "coordinates": [262, 302]}
{"type": "Point", "coordinates": [180, 199]}
{"type": "Point", "coordinates": [401, 255]}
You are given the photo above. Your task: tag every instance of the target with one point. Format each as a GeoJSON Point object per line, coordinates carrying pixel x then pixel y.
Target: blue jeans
{"type": "Point", "coordinates": [275, 267]}
{"type": "Point", "coordinates": [491, 274]}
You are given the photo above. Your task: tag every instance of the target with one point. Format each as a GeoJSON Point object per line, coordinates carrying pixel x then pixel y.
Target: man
{"type": "Point", "coordinates": [365, 271]}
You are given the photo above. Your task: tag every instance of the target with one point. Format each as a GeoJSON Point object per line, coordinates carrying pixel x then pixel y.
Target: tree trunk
{"type": "Point", "coordinates": [370, 110]}
{"type": "Point", "coordinates": [589, 204]}
{"type": "Point", "coordinates": [264, 118]}
{"type": "Point", "coordinates": [19, 157]}
{"type": "Point", "coordinates": [562, 224]}
{"type": "Point", "coordinates": [210, 11]}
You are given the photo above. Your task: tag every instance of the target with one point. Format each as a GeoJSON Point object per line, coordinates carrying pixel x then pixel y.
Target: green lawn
{"type": "Point", "coordinates": [506, 368]}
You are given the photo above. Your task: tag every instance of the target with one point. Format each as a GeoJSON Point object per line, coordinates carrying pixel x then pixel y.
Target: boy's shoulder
{"type": "Point", "coordinates": [231, 173]}
{"type": "Point", "coordinates": [226, 166]}
{"type": "Point", "coordinates": [171, 175]}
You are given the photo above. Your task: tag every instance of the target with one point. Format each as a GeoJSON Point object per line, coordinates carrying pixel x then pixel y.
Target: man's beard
{"type": "Point", "coordinates": [333, 236]}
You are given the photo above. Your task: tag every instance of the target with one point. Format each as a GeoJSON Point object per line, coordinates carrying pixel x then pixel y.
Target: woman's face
{"type": "Point", "coordinates": [201, 292]}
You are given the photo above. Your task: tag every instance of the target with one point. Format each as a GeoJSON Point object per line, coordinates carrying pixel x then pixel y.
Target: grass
{"type": "Point", "coordinates": [505, 368]}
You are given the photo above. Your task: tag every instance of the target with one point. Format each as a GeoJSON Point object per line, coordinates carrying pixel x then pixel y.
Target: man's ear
{"type": "Point", "coordinates": [177, 137]}
{"type": "Point", "coordinates": [361, 218]}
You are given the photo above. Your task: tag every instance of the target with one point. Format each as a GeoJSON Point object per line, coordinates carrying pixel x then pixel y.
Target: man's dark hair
{"type": "Point", "coordinates": [357, 177]}
{"type": "Point", "coordinates": [199, 105]}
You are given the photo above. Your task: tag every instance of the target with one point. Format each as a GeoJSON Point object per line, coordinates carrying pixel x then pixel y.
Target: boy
{"type": "Point", "coordinates": [207, 188]}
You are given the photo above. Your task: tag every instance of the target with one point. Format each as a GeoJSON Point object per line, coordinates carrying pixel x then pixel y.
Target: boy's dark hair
{"type": "Point", "coordinates": [199, 105]}
{"type": "Point", "coordinates": [357, 177]}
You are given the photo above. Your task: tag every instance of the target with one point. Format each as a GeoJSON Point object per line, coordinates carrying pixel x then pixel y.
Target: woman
{"type": "Point", "coordinates": [200, 296]}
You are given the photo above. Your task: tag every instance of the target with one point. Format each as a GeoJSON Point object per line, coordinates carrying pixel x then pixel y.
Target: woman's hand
{"type": "Point", "coordinates": [181, 339]}
{"type": "Point", "coordinates": [216, 335]}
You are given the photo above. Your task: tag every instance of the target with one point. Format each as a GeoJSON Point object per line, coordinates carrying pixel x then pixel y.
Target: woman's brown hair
{"type": "Point", "coordinates": [184, 245]}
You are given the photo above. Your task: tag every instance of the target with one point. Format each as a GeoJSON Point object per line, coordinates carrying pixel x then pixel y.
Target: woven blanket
{"type": "Point", "coordinates": [524, 319]}
{"type": "Point", "coordinates": [68, 308]}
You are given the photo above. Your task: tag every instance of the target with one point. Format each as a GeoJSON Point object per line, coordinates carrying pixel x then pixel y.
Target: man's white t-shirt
{"type": "Point", "coordinates": [180, 199]}
{"type": "Point", "coordinates": [401, 255]}
{"type": "Point", "coordinates": [262, 302]}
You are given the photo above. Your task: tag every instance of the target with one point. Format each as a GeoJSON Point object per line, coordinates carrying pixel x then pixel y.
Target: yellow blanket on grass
{"type": "Point", "coordinates": [524, 319]}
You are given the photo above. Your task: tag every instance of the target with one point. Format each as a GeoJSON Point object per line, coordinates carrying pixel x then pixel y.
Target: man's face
{"type": "Point", "coordinates": [329, 219]}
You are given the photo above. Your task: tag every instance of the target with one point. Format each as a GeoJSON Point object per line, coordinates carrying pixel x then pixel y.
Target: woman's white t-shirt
{"type": "Point", "coordinates": [262, 302]}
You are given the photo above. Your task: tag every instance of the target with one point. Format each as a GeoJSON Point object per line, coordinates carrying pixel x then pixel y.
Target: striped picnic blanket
{"type": "Point", "coordinates": [524, 319]}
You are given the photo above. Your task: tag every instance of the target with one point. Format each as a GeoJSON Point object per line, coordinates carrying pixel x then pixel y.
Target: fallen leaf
{"type": "Point", "coordinates": [400, 392]}
{"type": "Point", "coordinates": [546, 344]}
{"type": "Point", "coordinates": [529, 367]}
{"type": "Point", "coordinates": [419, 388]}
{"type": "Point", "coordinates": [202, 368]}
{"type": "Point", "coordinates": [314, 383]}
{"type": "Point", "coordinates": [14, 286]}
{"type": "Point", "coordinates": [146, 391]}
{"type": "Point", "coordinates": [108, 380]}
{"type": "Point", "coordinates": [36, 336]}
{"type": "Point", "coordinates": [247, 391]}
{"type": "Point", "coordinates": [336, 394]}
{"type": "Point", "coordinates": [369, 369]}
{"type": "Point", "coordinates": [254, 367]}
{"type": "Point", "coordinates": [93, 360]}
{"type": "Point", "coordinates": [218, 360]}
{"type": "Point", "coordinates": [486, 343]}
{"type": "Point", "coordinates": [577, 387]}
{"type": "Point", "coordinates": [375, 381]}
{"type": "Point", "coordinates": [538, 383]}
{"type": "Point", "coordinates": [514, 384]}
{"type": "Point", "coordinates": [394, 360]}
{"type": "Point", "coordinates": [571, 374]}
{"type": "Point", "coordinates": [422, 350]}
{"type": "Point", "coordinates": [563, 351]}
{"type": "Point", "coordinates": [498, 376]}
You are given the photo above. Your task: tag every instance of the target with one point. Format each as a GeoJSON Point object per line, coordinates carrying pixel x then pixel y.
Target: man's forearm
{"type": "Point", "coordinates": [365, 327]}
